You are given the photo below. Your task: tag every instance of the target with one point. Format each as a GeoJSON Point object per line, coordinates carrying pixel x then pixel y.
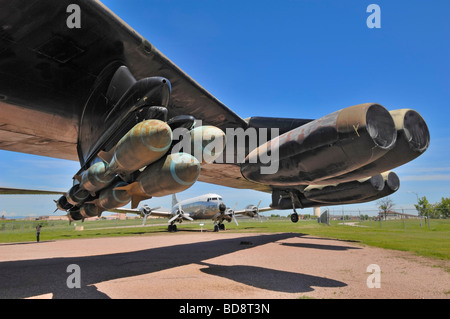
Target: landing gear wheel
{"type": "Point", "coordinates": [221, 226]}
{"type": "Point", "coordinates": [294, 217]}
{"type": "Point", "coordinates": [216, 228]}
{"type": "Point", "coordinates": [172, 228]}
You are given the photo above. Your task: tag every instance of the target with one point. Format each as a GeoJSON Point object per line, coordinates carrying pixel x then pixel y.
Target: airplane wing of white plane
{"type": "Point", "coordinates": [143, 211]}
{"type": "Point", "coordinates": [23, 191]}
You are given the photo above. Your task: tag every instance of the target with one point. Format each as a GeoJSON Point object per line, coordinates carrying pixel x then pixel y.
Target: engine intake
{"type": "Point", "coordinates": [413, 139]}
{"type": "Point", "coordinates": [330, 146]}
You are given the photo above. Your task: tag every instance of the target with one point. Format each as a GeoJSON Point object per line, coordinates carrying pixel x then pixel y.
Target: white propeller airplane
{"type": "Point", "coordinates": [207, 206]}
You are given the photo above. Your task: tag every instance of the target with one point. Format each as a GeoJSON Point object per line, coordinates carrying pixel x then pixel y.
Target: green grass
{"type": "Point", "coordinates": [408, 236]}
{"type": "Point", "coordinates": [24, 231]}
{"type": "Point", "coordinates": [433, 242]}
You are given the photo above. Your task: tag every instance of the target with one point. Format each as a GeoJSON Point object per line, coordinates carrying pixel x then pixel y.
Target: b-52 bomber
{"type": "Point", "coordinates": [140, 127]}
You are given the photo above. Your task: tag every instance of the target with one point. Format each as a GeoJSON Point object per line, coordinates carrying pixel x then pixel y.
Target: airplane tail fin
{"type": "Point", "coordinates": [174, 200]}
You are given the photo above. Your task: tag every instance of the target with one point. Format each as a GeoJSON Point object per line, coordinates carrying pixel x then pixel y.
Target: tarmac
{"type": "Point", "coordinates": [208, 265]}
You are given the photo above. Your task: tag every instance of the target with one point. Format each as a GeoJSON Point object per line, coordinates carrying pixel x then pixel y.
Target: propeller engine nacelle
{"type": "Point", "coordinates": [251, 211]}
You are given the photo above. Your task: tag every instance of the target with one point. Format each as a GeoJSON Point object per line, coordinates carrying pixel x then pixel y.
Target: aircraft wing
{"type": "Point", "coordinates": [156, 212]}
{"type": "Point", "coordinates": [73, 92]}
{"type": "Point", "coordinates": [22, 191]}
{"type": "Point", "coordinates": [244, 211]}
{"type": "Point", "coordinates": [49, 71]}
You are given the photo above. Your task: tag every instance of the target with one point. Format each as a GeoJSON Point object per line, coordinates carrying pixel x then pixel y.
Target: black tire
{"type": "Point", "coordinates": [294, 217]}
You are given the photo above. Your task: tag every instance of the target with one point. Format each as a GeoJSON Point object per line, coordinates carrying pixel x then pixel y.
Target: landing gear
{"type": "Point", "coordinates": [172, 228]}
{"type": "Point", "coordinates": [218, 227]}
{"type": "Point", "coordinates": [294, 216]}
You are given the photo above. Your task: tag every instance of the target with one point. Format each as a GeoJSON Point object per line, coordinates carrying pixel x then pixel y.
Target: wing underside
{"type": "Point", "coordinates": [49, 71]}
{"type": "Point", "coordinates": [76, 93]}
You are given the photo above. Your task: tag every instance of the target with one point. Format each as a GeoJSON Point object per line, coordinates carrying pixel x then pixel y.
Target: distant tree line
{"type": "Point", "coordinates": [437, 210]}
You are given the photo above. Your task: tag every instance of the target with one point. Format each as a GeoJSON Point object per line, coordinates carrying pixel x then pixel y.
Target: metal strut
{"type": "Point", "coordinates": [294, 216]}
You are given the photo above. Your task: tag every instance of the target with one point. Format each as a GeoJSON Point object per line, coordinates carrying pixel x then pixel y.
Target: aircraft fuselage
{"type": "Point", "coordinates": [201, 207]}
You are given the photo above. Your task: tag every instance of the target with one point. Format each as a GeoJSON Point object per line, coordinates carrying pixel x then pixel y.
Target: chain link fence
{"type": "Point", "coordinates": [394, 216]}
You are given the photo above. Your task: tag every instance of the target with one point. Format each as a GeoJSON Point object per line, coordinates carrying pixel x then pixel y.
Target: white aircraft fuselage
{"type": "Point", "coordinates": [201, 207]}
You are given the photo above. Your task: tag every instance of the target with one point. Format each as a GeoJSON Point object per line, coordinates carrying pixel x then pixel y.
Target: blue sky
{"type": "Point", "coordinates": [303, 59]}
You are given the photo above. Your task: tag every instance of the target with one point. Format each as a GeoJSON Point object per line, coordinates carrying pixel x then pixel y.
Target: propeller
{"type": "Point", "coordinates": [233, 215]}
{"type": "Point", "coordinates": [179, 215]}
{"type": "Point", "coordinates": [145, 211]}
{"type": "Point", "coordinates": [257, 212]}
{"type": "Point", "coordinates": [230, 212]}
{"type": "Point", "coordinates": [252, 210]}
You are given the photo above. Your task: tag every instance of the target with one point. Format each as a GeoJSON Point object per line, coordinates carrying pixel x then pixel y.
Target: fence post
{"type": "Point", "coordinates": [403, 217]}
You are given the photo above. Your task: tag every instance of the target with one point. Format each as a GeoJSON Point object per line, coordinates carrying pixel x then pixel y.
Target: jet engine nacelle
{"type": "Point", "coordinates": [353, 192]}
{"type": "Point", "coordinates": [413, 139]}
{"type": "Point", "coordinates": [330, 146]}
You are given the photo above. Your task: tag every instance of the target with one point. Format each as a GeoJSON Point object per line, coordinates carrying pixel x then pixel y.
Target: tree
{"type": "Point", "coordinates": [385, 204]}
{"type": "Point", "coordinates": [442, 208]}
{"type": "Point", "coordinates": [424, 207]}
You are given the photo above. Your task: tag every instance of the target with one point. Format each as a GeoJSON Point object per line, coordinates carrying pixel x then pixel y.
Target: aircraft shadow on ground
{"type": "Point", "coordinates": [27, 278]}
{"type": "Point", "coordinates": [319, 246]}
{"type": "Point", "coordinates": [271, 279]}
